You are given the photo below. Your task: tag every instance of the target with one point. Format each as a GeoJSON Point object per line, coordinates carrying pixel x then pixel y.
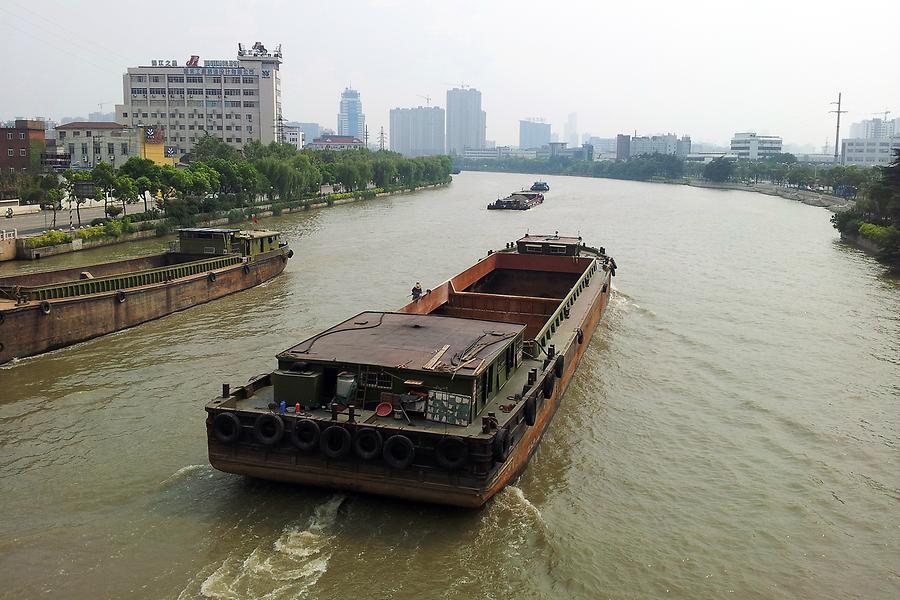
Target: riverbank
{"type": "Point", "coordinates": [832, 203]}
{"type": "Point", "coordinates": [260, 211]}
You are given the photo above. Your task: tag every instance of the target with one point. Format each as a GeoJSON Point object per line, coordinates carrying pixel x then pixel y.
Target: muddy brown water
{"type": "Point", "coordinates": [732, 430]}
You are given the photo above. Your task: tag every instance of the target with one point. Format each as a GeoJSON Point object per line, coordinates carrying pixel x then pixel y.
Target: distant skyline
{"type": "Point", "coordinates": [705, 69]}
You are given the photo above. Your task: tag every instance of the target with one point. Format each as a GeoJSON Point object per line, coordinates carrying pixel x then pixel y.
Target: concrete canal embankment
{"type": "Point", "coordinates": [832, 203]}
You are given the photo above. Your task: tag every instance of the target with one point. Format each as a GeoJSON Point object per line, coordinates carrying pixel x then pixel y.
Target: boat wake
{"type": "Point", "coordinates": [184, 473]}
{"type": "Point", "coordinates": [287, 568]}
{"type": "Point", "coordinates": [518, 499]}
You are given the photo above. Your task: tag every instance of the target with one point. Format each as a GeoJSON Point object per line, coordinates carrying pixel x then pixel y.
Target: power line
{"type": "Point", "coordinates": [62, 29]}
{"type": "Point", "coordinates": [37, 33]}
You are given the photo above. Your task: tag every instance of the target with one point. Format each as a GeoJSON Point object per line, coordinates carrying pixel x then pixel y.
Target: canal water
{"type": "Point", "coordinates": [732, 430]}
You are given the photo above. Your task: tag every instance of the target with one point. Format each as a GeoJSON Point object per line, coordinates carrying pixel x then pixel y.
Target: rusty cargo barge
{"type": "Point", "coordinates": [48, 310]}
{"type": "Point", "coordinates": [517, 201]}
{"type": "Point", "coordinates": [442, 401]}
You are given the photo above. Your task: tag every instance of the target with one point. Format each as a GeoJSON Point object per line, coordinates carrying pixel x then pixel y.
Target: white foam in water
{"type": "Point", "coordinates": [522, 501]}
{"type": "Point", "coordinates": [287, 568]}
{"type": "Point", "coordinates": [184, 472]}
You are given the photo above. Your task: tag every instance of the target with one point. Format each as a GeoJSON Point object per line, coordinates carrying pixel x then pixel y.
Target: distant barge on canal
{"type": "Point", "coordinates": [443, 401]}
{"type": "Point", "coordinates": [44, 311]}
{"type": "Point", "coordinates": [517, 201]}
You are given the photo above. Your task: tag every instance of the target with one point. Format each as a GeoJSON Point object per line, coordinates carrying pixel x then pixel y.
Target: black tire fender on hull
{"type": "Point", "coordinates": [227, 427]}
{"type": "Point", "coordinates": [547, 387]}
{"type": "Point", "coordinates": [501, 445]}
{"type": "Point", "coordinates": [530, 411]}
{"type": "Point", "coordinates": [367, 444]}
{"type": "Point", "coordinates": [451, 453]}
{"type": "Point", "coordinates": [398, 452]}
{"type": "Point", "coordinates": [305, 435]}
{"type": "Point", "coordinates": [336, 442]}
{"type": "Point", "coordinates": [268, 429]}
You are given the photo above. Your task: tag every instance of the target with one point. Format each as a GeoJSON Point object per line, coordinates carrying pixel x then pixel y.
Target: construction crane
{"type": "Point", "coordinates": [884, 112]}
{"type": "Point", "coordinates": [100, 105]}
{"type": "Point", "coordinates": [460, 85]}
{"type": "Point", "coordinates": [427, 99]}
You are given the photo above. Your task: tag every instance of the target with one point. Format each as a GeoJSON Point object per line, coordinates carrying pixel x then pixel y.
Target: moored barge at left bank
{"type": "Point", "coordinates": [52, 309]}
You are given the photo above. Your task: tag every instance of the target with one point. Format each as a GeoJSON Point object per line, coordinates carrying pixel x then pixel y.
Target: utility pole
{"type": "Point", "coordinates": [381, 138]}
{"type": "Point", "coordinates": [837, 129]}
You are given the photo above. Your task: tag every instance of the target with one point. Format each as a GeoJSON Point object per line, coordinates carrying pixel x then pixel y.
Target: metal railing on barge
{"type": "Point", "coordinates": [559, 315]}
{"type": "Point", "coordinates": [122, 281]}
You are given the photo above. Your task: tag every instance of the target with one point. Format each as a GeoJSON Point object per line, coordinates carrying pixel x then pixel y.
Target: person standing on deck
{"type": "Point", "coordinates": [416, 292]}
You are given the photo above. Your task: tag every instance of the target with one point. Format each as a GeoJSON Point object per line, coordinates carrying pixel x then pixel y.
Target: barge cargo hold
{"type": "Point", "coordinates": [48, 310]}
{"type": "Point", "coordinates": [442, 401]}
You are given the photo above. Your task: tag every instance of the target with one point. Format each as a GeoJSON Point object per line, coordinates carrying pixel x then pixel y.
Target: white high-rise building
{"type": "Point", "coordinates": [875, 129]}
{"type": "Point", "coordinates": [466, 122]}
{"type": "Point", "coordinates": [533, 134]}
{"type": "Point", "coordinates": [570, 131]}
{"type": "Point", "coordinates": [417, 131]}
{"type": "Point", "coordinates": [351, 120]}
{"type": "Point", "coordinates": [237, 101]}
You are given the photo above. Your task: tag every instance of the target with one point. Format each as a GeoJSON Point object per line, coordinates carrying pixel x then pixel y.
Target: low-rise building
{"type": "Point", "coordinates": [89, 143]}
{"type": "Point", "coordinates": [748, 145]}
{"type": "Point", "coordinates": [293, 136]}
{"type": "Point", "coordinates": [336, 142]}
{"type": "Point", "coordinates": [868, 152]}
{"type": "Point", "coordinates": [21, 145]}
{"type": "Point", "coordinates": [706, 157]}
{"type": "Point", "coordinates": [628, 146]}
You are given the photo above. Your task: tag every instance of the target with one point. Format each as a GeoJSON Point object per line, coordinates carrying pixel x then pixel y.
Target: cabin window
{"type": "Point", "coordinates": [209, 250]}
{"type": "Point", "coordinates": [533, 248]}
{"type": "Point", "coordinates": [490, 382]}
{"type": "Point", "coordinates": [557, 249]}
{"type": "Point", "coordinates": [380, 380]}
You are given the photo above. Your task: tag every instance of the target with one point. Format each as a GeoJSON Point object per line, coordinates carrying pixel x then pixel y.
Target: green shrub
{"type": "Point", "coordinates": [235, 216]}
{"type": "Point", "coordinates": [112, 228]}
{"type": "Point", "coordinates": [52, 237]}
{"type": "Point", "coordinates": [883, 236]}
{"type": "Point", "coordinates": [146, 226]}
{"type": "Point", "coordinates": [98, 221]}
{"type": "Point", "coordinates": [163, 228]}
{"type": "Point", "coordinates": [89, 234]}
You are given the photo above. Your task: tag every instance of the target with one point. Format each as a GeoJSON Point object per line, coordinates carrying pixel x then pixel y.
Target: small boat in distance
{"type": "Point", "coordinates": [517, 201]}
{"type": "Point", "coordinates": [52, 309]}
{"type": "Point", "coordinates": [540, 186]}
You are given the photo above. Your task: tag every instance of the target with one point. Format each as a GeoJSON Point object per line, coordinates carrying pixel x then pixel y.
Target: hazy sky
{"type": "Point", "coordinates": [706, 69]}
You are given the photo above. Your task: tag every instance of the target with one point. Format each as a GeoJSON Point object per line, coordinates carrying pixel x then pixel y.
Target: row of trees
{"type": "Point", "coordinates": [784, 169]}
{"type": "Point", "coordinates": [876, 215]}
{"type": "Point", "coordinates": [781, 169]}
{"type": "Point", "coordinates": [220, 177]}
{"type": "Point", "coordinates": [638, 168]}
